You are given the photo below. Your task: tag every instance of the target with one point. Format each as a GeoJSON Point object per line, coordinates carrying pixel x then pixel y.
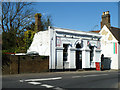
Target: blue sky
{"type": "Point", "coordinates": [83, 16]}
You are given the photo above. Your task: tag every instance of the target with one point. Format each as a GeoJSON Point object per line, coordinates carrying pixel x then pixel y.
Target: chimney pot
{"type": "Point", "coordinates": [103, 13]}
{"type": "Point", "coordinates": [105, 19]}
{"type": "Point", "coordinates": [107, 12]}
{"type": "Point", "coordinates": [38, 15]}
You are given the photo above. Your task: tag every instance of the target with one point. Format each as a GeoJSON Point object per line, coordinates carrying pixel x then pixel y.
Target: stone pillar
{"type": "Point", "coordinates": [97, 55]}
{"type": "Point", "coordinates": [85, 58]}
{"type": "Point", "coordinates": [72, 58]}
{"type": "Point", "coordinates": [59, 58]}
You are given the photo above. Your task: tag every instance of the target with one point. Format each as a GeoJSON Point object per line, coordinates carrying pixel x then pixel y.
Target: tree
{"type": "Point", "coordinates": [46, 21]}
{"type": "Point", "coordinates": [28, 38]}
{"type": "Point", "coordinates": [16, 20]}
{"type": "Point", "coordinates": [15, 17]}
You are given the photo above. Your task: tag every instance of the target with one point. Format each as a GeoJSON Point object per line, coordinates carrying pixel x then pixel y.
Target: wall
{"type": "Point", "coordinates": [119, 56]}
{"type": "Point", "coordinates": [26, 64]}
{"type": "Point", "coordinates": [107, 46]}
{"type": "Point", "coordinates": [40, 43]}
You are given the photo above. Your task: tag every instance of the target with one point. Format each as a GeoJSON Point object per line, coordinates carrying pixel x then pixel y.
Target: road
{"type": "Point", "coordinates": [63, 80]}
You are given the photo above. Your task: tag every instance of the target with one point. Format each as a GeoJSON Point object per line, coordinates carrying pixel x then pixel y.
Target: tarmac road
{"type": "Point", "coordinates": [63, 80]}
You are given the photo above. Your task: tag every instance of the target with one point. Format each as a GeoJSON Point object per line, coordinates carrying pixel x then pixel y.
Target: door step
{"type": "Point", "coordinates": [80, 70]}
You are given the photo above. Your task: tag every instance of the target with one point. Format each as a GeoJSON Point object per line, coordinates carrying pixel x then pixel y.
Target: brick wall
{"type": "Point", "coordinates": [26, 64]}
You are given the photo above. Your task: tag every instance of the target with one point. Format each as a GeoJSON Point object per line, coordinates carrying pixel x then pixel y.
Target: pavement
{"type": "Point", "coordinates": [63, 80]}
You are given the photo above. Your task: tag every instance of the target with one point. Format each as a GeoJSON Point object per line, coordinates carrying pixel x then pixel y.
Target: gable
{"type": "Point", "coordinates": [107, 35]}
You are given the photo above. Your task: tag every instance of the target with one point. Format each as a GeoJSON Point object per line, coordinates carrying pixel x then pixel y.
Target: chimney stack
{"type": "Point", "coordinates": [105, 19]}
{"type": "Point", "coordinates": [38, 22]}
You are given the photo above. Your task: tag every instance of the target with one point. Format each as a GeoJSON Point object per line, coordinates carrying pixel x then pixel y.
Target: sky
{"type": "Point", "coordinates": [83, 16]}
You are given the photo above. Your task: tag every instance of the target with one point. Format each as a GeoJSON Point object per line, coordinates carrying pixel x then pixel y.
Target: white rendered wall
{"type": "Point", "coordinates": [114, 58]}
{"type": "Point", "coordinates": [107, 47]}
{"type": "Point", "coordinates": [53, 54]}
{"type": "Point", "coordinates": [40, 43]}
{"type": "Point", "coordinates": [118, 56]}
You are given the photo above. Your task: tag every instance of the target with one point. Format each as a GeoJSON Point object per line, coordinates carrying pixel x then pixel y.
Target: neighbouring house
{"type": "Point", "coordinates": [67, 49]}
{"type": "Point", "coordinates": [110, 41]}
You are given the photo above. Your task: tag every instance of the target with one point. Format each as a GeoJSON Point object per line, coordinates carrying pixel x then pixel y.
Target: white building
{"type": "Point", "coordinates": [68, 49]}
{"type": "Point", "coordinates": [72, 49]}
{"type": "Point", "coordinates": [110, 45]}
{"type": "Point", "coordinates": [110, 41]}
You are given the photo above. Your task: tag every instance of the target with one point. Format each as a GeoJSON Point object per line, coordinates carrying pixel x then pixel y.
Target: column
{"type": "Point", "coordinates": [72, 58]}
{"type": "Point", "coordinates": [59, 58]}
{"type": "Point", "coordinates": [85, 58]}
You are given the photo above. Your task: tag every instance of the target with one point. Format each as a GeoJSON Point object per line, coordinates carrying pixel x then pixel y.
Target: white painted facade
{"type": "Point", "coordinates": [107, 47]}
{"type": "Point", "coordinates": [51, 43]}
{"type": "Point", "coordinates": [40, 43]}
{"type": "Point", "coordinates": [118, 56]}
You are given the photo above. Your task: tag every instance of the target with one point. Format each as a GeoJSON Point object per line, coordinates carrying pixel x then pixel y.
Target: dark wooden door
{"type": "Point", "coordinates": [78, 59]}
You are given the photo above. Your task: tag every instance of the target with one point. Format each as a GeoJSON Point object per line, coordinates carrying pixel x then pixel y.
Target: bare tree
{"type": "Point", "coordinates": [15, 17]}
{"type": "Point", "coordinates": [47, 21]}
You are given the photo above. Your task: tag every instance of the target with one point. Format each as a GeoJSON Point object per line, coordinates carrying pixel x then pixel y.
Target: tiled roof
{"type": "Point", "coordinates": [116, 32]}
{"type": "Point", "coordinates": [95, 31]}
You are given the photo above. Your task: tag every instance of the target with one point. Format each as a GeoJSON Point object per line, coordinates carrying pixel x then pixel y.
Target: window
{"type": "Point", "coordinates": [78, 46]}
{"type": "Point", "coordinates": [91, 53]}
{"type": "Point", "coordinates": [65, 53]}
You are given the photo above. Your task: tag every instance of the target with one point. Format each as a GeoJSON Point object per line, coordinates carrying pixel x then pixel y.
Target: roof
{"type": "Point", "coordinates": [95, 31]}
{"type": "Point", "coordinates": [116, 32]}
{"type": "Point", "coordinates": [71, 30]}
{"type": "Point", "coordinates": [76, 32]}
